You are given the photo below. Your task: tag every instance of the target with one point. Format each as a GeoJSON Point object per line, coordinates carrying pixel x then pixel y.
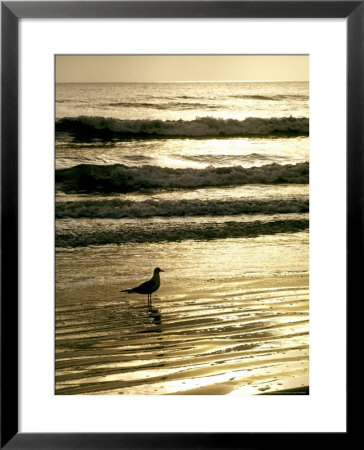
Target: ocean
{"type": "Point", "coordinates": [210, 182]}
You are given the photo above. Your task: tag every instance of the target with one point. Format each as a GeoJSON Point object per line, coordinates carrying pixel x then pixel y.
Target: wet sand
{"type": "Point", "coordinates": [236, 335]}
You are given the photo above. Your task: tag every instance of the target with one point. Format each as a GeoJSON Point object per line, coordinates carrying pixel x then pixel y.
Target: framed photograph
{"type": "Point", "coordinates": [181, 221]}
{"type": "Point", "coordinates": [193, 166]}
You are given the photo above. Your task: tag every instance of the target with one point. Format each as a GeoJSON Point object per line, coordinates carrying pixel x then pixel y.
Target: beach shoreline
{"type": "Point", "coordinates": [234, 334]}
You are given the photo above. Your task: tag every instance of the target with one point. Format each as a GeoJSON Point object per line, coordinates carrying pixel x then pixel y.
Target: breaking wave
{"type": "Point", "coordinates": [88, 128]}
{"type": "Point", "coordinates": [121, 232]}
{"type": "Point", "coordinates": [116, 209]}
{"type": "Point", "coordinates": [121, 178]}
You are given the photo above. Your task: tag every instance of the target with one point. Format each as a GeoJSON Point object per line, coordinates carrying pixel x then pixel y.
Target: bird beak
{"type": "Point", "coordinates": [162, 270]}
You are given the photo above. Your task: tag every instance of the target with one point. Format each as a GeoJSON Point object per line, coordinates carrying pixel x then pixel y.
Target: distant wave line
{"type": "Point", "coordinates": [164, 106]}
{"type": "Point", "coordinates": [277, 97]}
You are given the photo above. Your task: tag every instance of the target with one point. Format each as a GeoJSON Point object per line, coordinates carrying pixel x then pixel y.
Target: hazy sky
{"type": "Point", "coordinates": [149, 68]}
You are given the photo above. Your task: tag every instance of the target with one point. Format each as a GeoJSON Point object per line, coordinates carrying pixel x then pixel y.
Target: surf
{"type": "Point", "coordinates": [92, 127]}
{"type": "Point", "coordinates": [122, 178]}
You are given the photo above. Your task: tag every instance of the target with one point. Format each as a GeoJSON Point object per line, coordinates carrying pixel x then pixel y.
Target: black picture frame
{"type": "Point", "coordinates": [11, 13]}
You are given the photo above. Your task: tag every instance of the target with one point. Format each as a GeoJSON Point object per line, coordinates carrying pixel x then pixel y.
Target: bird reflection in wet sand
{"type": "Point", "coordinates": [148, 287]}
{"type": "Point", "coordinates": [156, 315]}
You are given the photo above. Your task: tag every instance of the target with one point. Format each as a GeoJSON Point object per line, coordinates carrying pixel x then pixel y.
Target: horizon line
{"type": "Point", "coordinates": [186, 81]}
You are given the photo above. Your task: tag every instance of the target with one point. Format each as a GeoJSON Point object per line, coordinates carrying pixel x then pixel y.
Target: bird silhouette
{"type": "Point", "coordinates": [148, 287]}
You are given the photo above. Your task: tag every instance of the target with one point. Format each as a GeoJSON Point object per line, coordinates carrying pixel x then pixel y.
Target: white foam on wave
{"type": "Point", "coordinates": [118, 208]}
{"type": "Point", "coordinates": [201, 127]}
{"type": "Point", "coordinates": [121, 178]}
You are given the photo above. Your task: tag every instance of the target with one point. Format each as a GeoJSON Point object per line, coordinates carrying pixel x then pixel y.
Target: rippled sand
{"type": "Point", "coordinates": [209, 332]}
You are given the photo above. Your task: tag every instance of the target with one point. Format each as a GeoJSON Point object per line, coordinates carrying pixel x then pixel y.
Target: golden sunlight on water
{"type": "Point", "coordinates": [230, 317]}
{"type": "Point", "coordinates": [177, 153]}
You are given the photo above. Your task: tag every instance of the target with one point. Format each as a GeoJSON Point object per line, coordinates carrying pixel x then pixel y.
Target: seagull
{"type": "Point", "coordinates": [148, 287]}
